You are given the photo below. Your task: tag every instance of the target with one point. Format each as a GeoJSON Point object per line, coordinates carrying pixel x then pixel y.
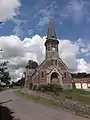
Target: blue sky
{"type": "Point", "coordinates": [71, 19]}
{"type": "Point", "coordinates": [24, 27]}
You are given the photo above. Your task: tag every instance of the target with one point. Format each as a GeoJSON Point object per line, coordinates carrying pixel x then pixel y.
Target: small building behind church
{"type": "Point", "coordinates": [52, 69]}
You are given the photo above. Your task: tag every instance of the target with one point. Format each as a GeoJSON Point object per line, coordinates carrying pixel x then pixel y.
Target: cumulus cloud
{"type": "Point", "coordinates": [8, 9]}
{"type": "Point", "coordinates": [68, 52]}
{"type": "Point", "coordinates": [18, 53]}
{"type": "Point", "coordinates": [83, 66]}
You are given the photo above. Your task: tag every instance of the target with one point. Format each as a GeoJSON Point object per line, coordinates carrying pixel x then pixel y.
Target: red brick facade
{"type": "Point", "coordinates": [52, 69]}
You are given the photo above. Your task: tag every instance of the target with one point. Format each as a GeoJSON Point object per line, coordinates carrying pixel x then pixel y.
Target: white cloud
{"type": "Point", "coordinates": [68, 52]}
{"type": "Point", "coordinates": [18, 52]}
{"type": "Point", "coordinates": [84, 47]}
{"type": "Point", "coordinates": [9, 9]}
{"type": "Point", "coordinates": [83, 66]}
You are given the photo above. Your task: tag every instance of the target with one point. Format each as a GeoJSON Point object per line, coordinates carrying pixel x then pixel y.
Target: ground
{"type": "Point", "coordinates": [28, 110]}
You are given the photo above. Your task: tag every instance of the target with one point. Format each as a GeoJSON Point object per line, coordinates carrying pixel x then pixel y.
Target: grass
{"type": "Point", "coordinates": [76, 95]}
{"type": "Point", "coordinates": [52, 103]}
{"type": "Point", "coordinates": [3, 88]}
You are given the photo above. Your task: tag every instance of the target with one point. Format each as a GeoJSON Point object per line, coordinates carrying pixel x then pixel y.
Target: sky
{"type": "Point", "coordinates": [23, 30]}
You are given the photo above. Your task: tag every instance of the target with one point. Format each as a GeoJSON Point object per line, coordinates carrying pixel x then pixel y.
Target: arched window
{"type": "Point", "coordinates": [42, 74]}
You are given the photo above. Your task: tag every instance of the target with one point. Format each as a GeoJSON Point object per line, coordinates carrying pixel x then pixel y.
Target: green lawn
{"type": "Point", "coordinates": [76, 95]}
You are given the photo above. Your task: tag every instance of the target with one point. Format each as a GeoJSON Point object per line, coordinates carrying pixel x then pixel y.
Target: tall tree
{"type": "Point", "coordinates": [80, 75]}
{"type": "Point", "coordinates": [32, 64]}
{"type": "Point", "coordinates": [4, 73]}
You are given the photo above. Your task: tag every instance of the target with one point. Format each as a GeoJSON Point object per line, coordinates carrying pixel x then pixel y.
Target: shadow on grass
{"type": "Point", "coordinates": [6, 113]}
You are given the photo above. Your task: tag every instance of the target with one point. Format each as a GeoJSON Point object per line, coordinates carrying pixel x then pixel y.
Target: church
{"type": "Point", "coordinates": [52, 70]}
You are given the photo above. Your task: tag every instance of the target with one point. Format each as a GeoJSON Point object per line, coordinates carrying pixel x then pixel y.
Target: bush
{"type": "Point", "coordinates": [80, 91]}
{"type": "Point", "coordinates": [34, 87]}
{"type": "Point", "coordinates": [42, 88]}
{"type": "Point", "coordinates": [50, 88]}
{"type": "Point", "coordinates": [30, 86]}
{"type": "Point", "coordinates": [0, 89]}
{"type": "Point", "coordinates": [56, 89]}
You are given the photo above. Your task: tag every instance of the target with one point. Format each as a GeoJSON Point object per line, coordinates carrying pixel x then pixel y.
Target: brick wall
{"type": "Point", "coordinates": [42, 79]}
{"type": "Point", "coordinates": [38, 79]}
{"type": "Point", "coordinates": [67, 81]}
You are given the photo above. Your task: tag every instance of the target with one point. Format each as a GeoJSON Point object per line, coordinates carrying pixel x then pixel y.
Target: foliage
{"type": "Point", "coordinates": [4, 73]}
{"type": "Point", "coordinates": [50, 88]}
{"type": "Point", "coordinates": [80, 91]}
{"type": "Point", "coordinates": [34, 87]}
{"type": "Point", "coordinates": [0, 89]}
{"type": "Point", "coordinates": [32, 64]}
{"type": "Point", "coordinates": [30, 86]}
{"type": "Point", "coordinates": [80, 75]}
{"type": "Point", "coordinates": [20, 82]}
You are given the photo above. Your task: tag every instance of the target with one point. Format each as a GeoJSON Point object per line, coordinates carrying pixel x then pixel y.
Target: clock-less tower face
{"type": "Point", "coordinates": [51, 43]}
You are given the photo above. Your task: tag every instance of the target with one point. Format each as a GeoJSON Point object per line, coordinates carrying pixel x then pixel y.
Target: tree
{"type": "Point", "coordinates": [32, 64]}
{"type": "Point", "coordinates": [22, 82]}
{"type": "Point", "coordinates": [4, 73]}
{"type": "Point", "coordinates": [80, 75]}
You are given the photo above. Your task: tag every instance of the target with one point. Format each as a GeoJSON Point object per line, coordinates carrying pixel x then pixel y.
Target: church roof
{"type": "Point", "coordinates": [51, 30]}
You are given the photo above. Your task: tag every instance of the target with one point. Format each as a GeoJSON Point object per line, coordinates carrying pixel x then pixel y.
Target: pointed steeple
{"type": "Point", "coordinates": [51, 31]}
{"type": "Point", "coordinates": [51, 43]}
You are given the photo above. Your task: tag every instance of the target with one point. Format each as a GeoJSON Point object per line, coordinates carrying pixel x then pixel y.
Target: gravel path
{"type": "Point", "coordinates": [28, 110]}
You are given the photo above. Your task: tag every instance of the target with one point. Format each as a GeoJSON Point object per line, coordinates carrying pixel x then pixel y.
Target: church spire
{"type": "Point", "coordinates": [51, 31]}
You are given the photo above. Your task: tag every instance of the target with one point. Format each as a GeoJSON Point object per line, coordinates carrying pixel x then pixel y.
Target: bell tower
{"type": "Point", "coordinates": [51, 43]}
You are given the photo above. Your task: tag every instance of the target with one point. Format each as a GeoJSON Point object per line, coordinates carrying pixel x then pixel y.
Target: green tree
{"type": "Point", "coordinates": [32, 64]}
{"type": "Point", "coordinates": [4, 73]}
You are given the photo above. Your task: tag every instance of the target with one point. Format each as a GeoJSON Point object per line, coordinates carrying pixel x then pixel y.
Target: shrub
{"type": "Point", "coordinates": [34, 87]}
{"type": "Point", "coordinates": [0, 89]}
{"type": "Point", "coordinates": [50, 88]}
{"type": "Point", "coordinates": [56, 89]}
{"type": "Point", "coordinates": [42, 88]}
{"type": "Point", "coordinates": [80, 91]}
{"type": "Point", "coordinates": [30, 86]}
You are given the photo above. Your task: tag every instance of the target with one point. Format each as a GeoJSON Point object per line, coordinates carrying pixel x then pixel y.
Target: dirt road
{"type": "Point", "coordinates": [28, 110]}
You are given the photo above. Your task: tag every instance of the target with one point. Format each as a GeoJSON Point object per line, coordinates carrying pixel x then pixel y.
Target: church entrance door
{"type": "Point", "coordinates": [54, 78]}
